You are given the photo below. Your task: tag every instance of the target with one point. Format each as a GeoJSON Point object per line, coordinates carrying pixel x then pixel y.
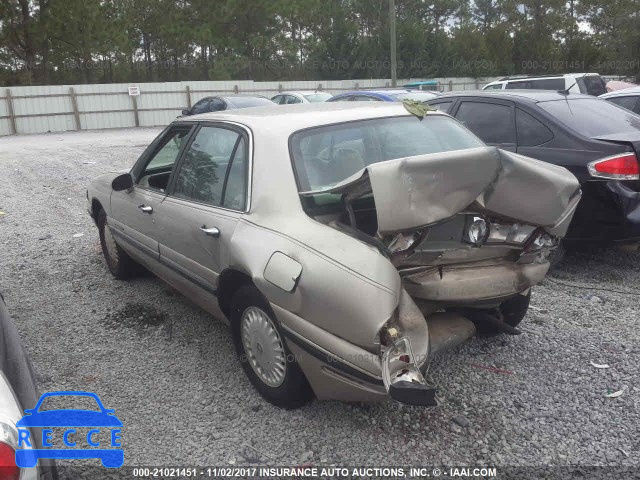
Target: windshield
{"type": "Point", "coordinates": [419, 96]}
{"type": "Point", "coordinates": [324, 156]}
{"type": "Point", "coordinates": [318, 97]}
{"type": "Point", "coordinates": [593, 117]}
{"type": "Point", "coordinates": [246, 102]}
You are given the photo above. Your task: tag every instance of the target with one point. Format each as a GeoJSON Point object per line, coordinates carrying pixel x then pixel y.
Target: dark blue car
{"type": "Point", "coordinates": [388, 95]}
{"type": "Point", "coordinates": [105, 418]}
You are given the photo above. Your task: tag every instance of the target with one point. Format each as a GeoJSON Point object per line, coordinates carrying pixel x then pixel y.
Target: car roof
{"type": "Point", "coordinates": [534, 96]}
{"type": "Point", "coordinates": [622, 93]}
{"type": "Point", "coordinates": [301, 92]}
{"type": "Point", "coordinates": [539, 77]}
{"type": "Point", "coordinates": [286, 119]}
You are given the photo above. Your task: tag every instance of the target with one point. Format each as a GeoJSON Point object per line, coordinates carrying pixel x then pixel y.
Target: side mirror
{"type": "Point", "coordinates": [122, 182]}
{"type": "Point", "coordinates": [185, 111]}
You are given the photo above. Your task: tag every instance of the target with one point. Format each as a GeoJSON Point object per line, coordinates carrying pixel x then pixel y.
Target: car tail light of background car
{"type": "Point", "coordinates": [618, 167]}
{"type": "Point", "coordinates": [10, 413]}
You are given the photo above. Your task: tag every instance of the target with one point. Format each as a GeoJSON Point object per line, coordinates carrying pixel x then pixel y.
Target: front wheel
{"type": "Point", "coordinates": [120, 264]}
{"type": "Point", "coordinates": [264, 356]}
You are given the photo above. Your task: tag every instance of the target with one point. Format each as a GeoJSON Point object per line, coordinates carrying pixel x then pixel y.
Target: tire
{"type": "Point", "coordinates": [119, 263]}
{"type": "Point", "coordinates": [488, 322]}
{"type": "Point", "coordinates": [514, 310]}
{"type": "Point", "coordinates": [274, 372]}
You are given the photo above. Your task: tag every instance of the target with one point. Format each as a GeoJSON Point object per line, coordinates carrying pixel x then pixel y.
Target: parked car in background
{"type": "Point", "coordinates": [628, 98]}
{"type": "Point", "coordinates": [225, 102]}
{"type": "Point", "coordinates": [284, 220]}
{"type": "Point", "coordinates": [389, 95]}
{"type": "Point", "coordinates": [425, 85]}
{"type": "Point", "coordinates": [288, 98]}
{"type": "Point", "coordinates": [18, 390]}
{"type": "Point", "coordinates": [588, 83]}
{"type": "Point", "coordinates": [597, 141]}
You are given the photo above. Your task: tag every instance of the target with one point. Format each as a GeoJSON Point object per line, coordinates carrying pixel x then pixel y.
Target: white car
{"type": "Point", "coordinates": [628, 98]}
{"type": "Point", "coordinates": [310, 96]}
{"type": "Point", "coordinates": [589, 83]}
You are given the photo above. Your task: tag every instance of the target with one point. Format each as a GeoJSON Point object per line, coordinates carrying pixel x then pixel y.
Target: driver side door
{"type": "Point", "coordinates": [134, 211]}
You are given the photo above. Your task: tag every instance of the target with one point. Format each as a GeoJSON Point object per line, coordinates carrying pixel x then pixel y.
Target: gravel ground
{"type": "Point", "coordinates": [169, 370]}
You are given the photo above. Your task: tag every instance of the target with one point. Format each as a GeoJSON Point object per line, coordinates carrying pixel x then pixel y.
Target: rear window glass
{"type": "Point", "coordinates": [592, 85]}
{"type": "Point", "coordinates": [325, 156]}
{"type": "Point", "coordinates": [592, 117]}
{"type": "Point", "coordinates": [626, 102]}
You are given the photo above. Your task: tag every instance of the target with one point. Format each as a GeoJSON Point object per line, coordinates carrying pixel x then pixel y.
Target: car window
{"type": "Point", "coordinates": [247, 102]}
{"type": "Point", "coordinates": [234, 195]}
{"type": "Point", "coordinates": [592, 85]}
{"type": "Point", "coordinates": [417, 96]}
{"type": "Point", "coordinates": [493, 87]}
{"type": "Point", "coordinates": [156, 173]}
{"type": "Point", "coordinates": [324, 156]}
{"type": "Point", "coordinates": [363, 98]}
{"type": "Point", "coordinates": [201, 106]}
{"type": "Point", "coordinates": [493, 123]}
{"type": "Point", "coordinates": [292, 100]}
{"type": "Point", "coordinates": [277, 99]}
{"type": "Point", "coordinates": [317, 97]}
{"type": "Point", "coordinates": [202, 173]}
{"type": "Point", "coordinates": [539, 84]}
{"type": "Point", "coordinates": [216, 105]}
{"type": "Point", "coordinates": [443, 106]}
{"type": "Point", "coordinates": [592, 117]}
{"type": "Point", "coordinates": [531, 132]}
{"type": "Point", "coordinates": [626, 102]}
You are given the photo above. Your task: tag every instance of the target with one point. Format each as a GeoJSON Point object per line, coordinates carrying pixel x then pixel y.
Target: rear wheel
{"type": "Point", "coordinates": [120, 264]}
{"type": "Point", "coordinates": [264, 356]}
{"type": "Point", "coordinates": [502, 319]}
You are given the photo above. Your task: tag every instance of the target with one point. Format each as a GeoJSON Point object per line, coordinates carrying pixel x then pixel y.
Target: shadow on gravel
{"type": "Point", "coordinates": [137, 316]}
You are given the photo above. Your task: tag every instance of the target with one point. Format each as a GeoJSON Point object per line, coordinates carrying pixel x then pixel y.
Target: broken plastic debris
{"type": "Point", "coordinates": [2, 213]}
{"type": "Point", "coordinates": [599, 365]}
{"type": "Point", "coordinates": [624, 452]}
{"type": "Point", "coordinates": [616, 394]}
{"type": "Point", "coordinates": [78, 235]}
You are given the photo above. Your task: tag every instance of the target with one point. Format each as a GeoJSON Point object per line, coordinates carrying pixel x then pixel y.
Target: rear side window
{"type": "Point", "coordinates": [531, 132]}
{"type": "Point", "coordinates": [592, 85]}
{"type": "Point", "coordinates": [493, 87]}
{"type": "Point", "coordinates": [592, 117]}
{"type": "Point", "coordinates": [493, 123]}
{"type": "Point", "coordinates": [625, 102]}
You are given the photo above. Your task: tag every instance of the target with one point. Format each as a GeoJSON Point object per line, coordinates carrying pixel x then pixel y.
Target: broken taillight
{"type": "Point", "coordinates": [618, 167]}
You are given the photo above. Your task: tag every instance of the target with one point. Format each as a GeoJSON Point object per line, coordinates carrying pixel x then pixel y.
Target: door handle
{"type": "Point", "coordinates": [145, 208]}
{"type": "Point", "coordinates": [212, 232]}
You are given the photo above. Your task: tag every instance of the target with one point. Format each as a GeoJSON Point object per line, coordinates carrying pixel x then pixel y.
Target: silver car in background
{"type": "Point", "coordinates": [346, 243]}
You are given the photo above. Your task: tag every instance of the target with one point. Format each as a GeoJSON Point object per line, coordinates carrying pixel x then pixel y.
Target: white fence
{"type": "Point", "coordinates": [85, 107]}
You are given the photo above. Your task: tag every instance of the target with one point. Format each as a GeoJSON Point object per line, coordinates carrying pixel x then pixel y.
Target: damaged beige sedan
{"type": "Point", "coordinates": [346, 244]}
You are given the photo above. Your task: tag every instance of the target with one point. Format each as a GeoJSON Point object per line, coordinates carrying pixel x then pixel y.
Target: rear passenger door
{"type": "Point", "coordinates": [491, 120]}
{"type": "Point", "coordinates": [207, 196]}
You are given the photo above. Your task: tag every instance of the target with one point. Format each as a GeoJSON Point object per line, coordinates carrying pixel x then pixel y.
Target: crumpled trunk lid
{"type": "Point", "coordinates": [423, 190]}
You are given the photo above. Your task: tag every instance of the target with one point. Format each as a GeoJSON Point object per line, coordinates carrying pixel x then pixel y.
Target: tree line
{"type": "Point", "coordinates": [104, 41]}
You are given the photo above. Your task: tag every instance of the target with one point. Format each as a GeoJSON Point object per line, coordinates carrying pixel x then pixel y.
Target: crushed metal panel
{"type": "Point", "coordinates": [283, 271]}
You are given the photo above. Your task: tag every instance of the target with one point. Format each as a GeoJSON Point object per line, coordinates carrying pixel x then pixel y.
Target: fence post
{"type": "Point", "coordinates": [74, 105]}
{"type": "Point", "coordinates": [12, 115]}
{"type": "Point", "coordinates": [188, 90]}
{"type": "Point", "coordinates": [477, 85]}
{"type": "Point", "coordinates": [451, 85]}
{"type": "Point", "coordinates": [236, 89]}
{"type": "Point", "coordinates": [280, 88]}
{"type": "Point", "coordinates": [357, 86]}
{"type": "Point", "coordinates": [134, 99]}
{"type": "Point", "coordinates": [319, 87]}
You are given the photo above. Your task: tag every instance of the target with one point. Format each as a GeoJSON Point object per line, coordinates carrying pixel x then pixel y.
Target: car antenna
{"type": "Point", "coordinates": [566, 90]}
